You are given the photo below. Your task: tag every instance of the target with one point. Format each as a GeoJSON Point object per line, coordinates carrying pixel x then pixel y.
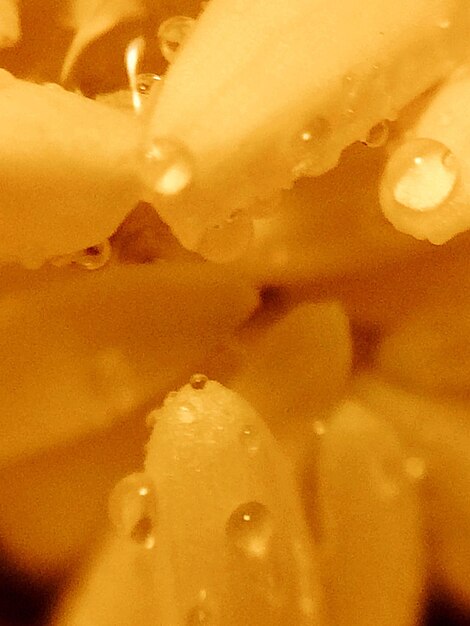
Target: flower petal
{"type": "Point", "coordinates": [82, 352]}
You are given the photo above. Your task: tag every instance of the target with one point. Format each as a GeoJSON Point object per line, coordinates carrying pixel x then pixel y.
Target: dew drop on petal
{"type": "Point", "coordinates": [250, 529]}
{"type": "Point", "coordinates": [227, 241]}
{"type": "Point", "coordinates": [415, 468]}
{"type": "Point", "coordinates": [199, 615]}
{"type": "Point", "coordinates": [319, 427]}
{"type": "Point", "coordinates": [317, 131]}
{"type": "Point", "coordinates": [145, 83]}
{"type": "Point", "coordinates": [132, 509]}
{"type": "Point", "coordinates": [172, 34]}
{"type": "Point", "coordinates": [377, 135]}
{"type": "Point", "coordinates": [421, 175]}
{"type": "Point", "coordinates": [167, 168]}
{"type": "Point", "coordinates": [95, 257]}
{"type": "Point", "coordinates": [198, 381]}
{"type": "Point", "coordinates": [249, 438]}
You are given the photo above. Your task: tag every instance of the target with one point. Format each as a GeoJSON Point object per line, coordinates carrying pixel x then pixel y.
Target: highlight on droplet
{"type": "Point", "coordinates": [133, 57]}
{"type": "Point", "coordinates": [250, 529]}
{"type": "Point", "coordinates": [167, 167]}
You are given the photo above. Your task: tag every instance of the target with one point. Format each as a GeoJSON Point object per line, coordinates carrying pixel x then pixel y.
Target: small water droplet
{"type": "Point", "coordinates": [319, 427]}
{"type": "Point", "coordinates": [227, 241]}
{"type": "Point", "coordinates": [133, 509]}
{"type": "Point", "coordinates": [415, 468]}
{"type": "Point", "coordinates": [316, 132]}
{"type": "Point", "coordinates": [168, 167]}
{"type": "Point", "coordinates": [421, 175]}
{"type": "Point", "coordinates": [377, 135]}
{"type": "Point", "coordinates": [171, 35]}
{"type": "Point", "coordinates": [444, 23]}
{"type": "Point", "coordinates": [250, 529]}
{"type": "Point", "coordinates": [92, 258]}
{"type": "Point", "coordinates": [249, 438]}
{"type": "Point", "coordinates": [198, 381]}
{"type": "Point", "coordinates": [145, 83]}
{"type": "Point", "coordinates": [200, 615]}
{"type": "Point", "coordinates": [114, 378]}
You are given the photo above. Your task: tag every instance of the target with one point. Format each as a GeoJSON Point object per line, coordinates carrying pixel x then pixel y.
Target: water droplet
{"type": "Point", "coordinates": [168, 167]}
{"type": "Point", "coordinates": [198, 381]}
{"type": "Point", "coordinates": [227, 241]}
{"type": "Point", "coordinates": [421, 175]}
{"type": "Point", "coordinates": [171, 35]}
{"type": "Point", "coordinates": [319, 427]}
{"type": "Point", "coordinates": [444, 23]}
{"type": "Point", "coordinates": [145, 83]}
{"type": "Point", "coordinates": [249, 438]}
{"type": "Point", "coordinates": [305, 144]}
{"type": "Point", "coordinates": [200, 615]}
{"type": "Point", "coordinates": [377, 135]}
{"type": "Point", "coordinates": [115, 379]}
{"type": "Point", "coordinates": [92, 258]}
{"type": "Point", "coordinates": [250, 529]}
{"type": "Point", "coordinates": [133, 57]}
{"type": "Point", "coordinates": [415, 468]}
{"type": "Point", "coordinates": [133, 509]}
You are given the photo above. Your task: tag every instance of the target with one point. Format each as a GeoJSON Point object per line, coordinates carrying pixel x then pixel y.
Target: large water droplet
{"type": "Point", "coordinates": [172, 34]}
{"type": "Point", "coordinates": [249, 438]}
{"type": "Point", "coordinates": [421, 175]}
{"type": "Point", "coordinates": [198, 381]}
{"type": "Point", "coordinates": [133, 509]}
{"type": "Point", "coordinates": [250, 529]}
{"type": "Point", "coordinates": [167, 168]}
{"type": "Point", "coordinates": [227, 241]}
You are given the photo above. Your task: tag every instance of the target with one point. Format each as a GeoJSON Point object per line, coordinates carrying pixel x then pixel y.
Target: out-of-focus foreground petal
{"type": "Point", "coordinates": [371, 535]}
{"type": "Point", "coordinates": [437, 434]}
{"type": "Point", "coordinates": [92, 18]}
{"type": "Point", "coordinates": [69, 171]}
{"type": "Point", "coordinates": [82, 351]}
{"type": "Point", "coordinates": [10, 30]}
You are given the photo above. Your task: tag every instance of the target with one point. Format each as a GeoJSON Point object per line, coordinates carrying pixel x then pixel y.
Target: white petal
{"type": "Point", "coordinates": [374, 570]}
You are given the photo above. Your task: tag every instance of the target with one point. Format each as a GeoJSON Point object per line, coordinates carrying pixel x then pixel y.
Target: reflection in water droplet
{"type": "Point", "coordinates": [198, 381]}
{"type": "Point", "coordinates": [415, 468]}
{"type": "Point", "coordinates": [249, 438]}
{"type": "Point", "coordinates": [227, 241]}
{"type": "Point", "coordinates": [250, 529]}
{"type": "Point", "coordinates": [167, 167]}
{"type": "Point", "coordinates": [171, 35]}
{"type": "Point", "coordinates": [92, 258]}
{"type": "Point", "coordinates": [133, 509]}
{"type": "Point", "coordinates": [421, 175]}
{"type": "Point", "coordinates": [377, 135]}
